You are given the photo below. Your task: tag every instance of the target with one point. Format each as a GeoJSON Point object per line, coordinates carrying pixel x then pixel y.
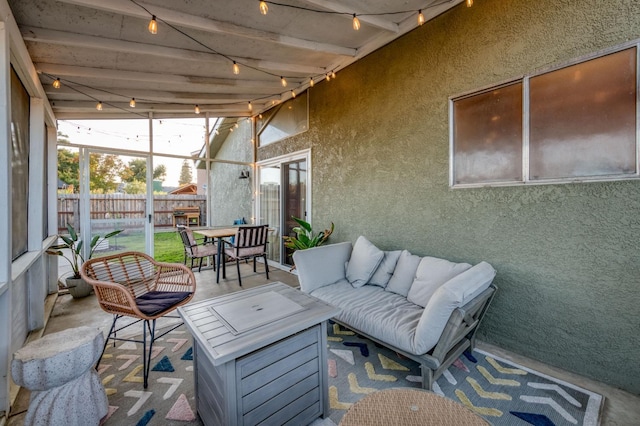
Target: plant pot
{"type": "Point", "coordinates": [78, 287]}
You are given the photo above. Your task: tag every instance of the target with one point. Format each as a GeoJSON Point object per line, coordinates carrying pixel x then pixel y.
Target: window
{"type": "Point", "coordinates": [283, 121]}
{"type": "Point", "coordinates": [572, 123]}
{"type": "Point", "coordinates": [19, 165]}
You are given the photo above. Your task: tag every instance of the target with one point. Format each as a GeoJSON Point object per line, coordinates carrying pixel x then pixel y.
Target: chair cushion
{"type": "Point", "coordinates": [364, 261]}
{"type": "Point", "coordinates": [154, 302]}
{"type": "Point", "coordinates": [205, 250]}
{"type": "Point", "coordinates": [383, 274]}
{"type": "Point", "coordinates": [431, 274]}
{"type": "Point", "coordinates": [404, 274]}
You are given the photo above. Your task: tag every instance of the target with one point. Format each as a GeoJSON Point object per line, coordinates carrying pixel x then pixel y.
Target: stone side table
{"type": "Point", "coordinates": [58, 370]}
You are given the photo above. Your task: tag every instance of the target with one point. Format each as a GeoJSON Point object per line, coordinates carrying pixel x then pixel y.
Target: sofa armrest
{"type": "Point", "coordinates": [455, 293]}
{"type": "Point", "coordinates": [321, 266]}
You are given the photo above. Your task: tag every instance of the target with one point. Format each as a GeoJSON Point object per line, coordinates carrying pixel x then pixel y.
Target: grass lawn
{"type": "Point", "coordinates": [167, 246]}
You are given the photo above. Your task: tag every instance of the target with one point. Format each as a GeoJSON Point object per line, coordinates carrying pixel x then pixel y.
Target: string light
{"type": "Point", "coordinates": [293, 94]}
{"type": "Point", "coordinates": [99, 106]}
{"type": "Point", "coordinates": [283, 81]}
{"type": "Point", "coordinates": [356, 22]}
{"type": "Point", "coordinates": [421, 19]}
{"type": "Point", "coordinates": [197, 109]}
{"type": "Point", "coordinates": [56, 83]}
{"type": "Point", "coordinates": [132, 103]}
{"type": "Point", "coordinates": [264, 8]}
{"type": "Point", "coordinates": [311, 83]}
{"type": "Point", "coordinates": [236, 68]}
{"type": "Point", "coordinates": [333, 74]}
{"type": "Point", "coordinates": [153, 25]}
{"type": "Point", "coordinates": [217, 132]}
{"type": "Point", "coordinates": [328, 76]}
{"type": "Point", "coordinates": [230, 129]}
{"type": "Point", "coordinates": [250, 106]}
{"type": "Point", "coordinates": [235, 126]}
{"type": "Point", "coordinates": [469, 3]}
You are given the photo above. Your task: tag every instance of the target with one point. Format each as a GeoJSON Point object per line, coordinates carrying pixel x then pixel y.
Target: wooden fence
{"type": "Point", "coordinates": [127, 209]}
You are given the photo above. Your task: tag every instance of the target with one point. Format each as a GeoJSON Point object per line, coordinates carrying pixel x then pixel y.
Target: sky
{"type": "Point", "coordinates": [170, 136]}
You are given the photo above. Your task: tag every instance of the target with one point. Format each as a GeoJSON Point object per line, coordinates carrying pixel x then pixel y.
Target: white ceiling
{"type": "Point", "coordinates": [102, 51]}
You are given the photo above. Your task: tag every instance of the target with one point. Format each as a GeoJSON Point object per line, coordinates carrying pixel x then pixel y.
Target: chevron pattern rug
{"type": "Point", "coordinates": [500, 391]}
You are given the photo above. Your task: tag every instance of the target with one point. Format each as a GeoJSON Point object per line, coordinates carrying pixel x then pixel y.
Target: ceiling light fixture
{"type": "Point", "coordinates": [132, 103]}
{"type": "Point", "coordinates": [264, 8]}
{"type": "Point", "coordinates": [236, 68]}
{"type": "Point", "coordinates": [356, 22]}
{"type": "Point", "coordinates": [153, 25]}
{"type": "Point", "coordinates": [196, 109]}
{"type": "Point", "coordinates": [99, 106]}
{"type": "Point", "coordinates": [283, 81]}
{"type": "Point", "coordinates": [56, 83]}
{"type": "Point", "coordinates": [421, 19]}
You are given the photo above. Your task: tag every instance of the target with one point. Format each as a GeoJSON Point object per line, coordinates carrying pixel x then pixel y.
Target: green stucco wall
{"type": "Point", "coordinates": [567, 256]}
{"type": "Point", "coordinates": [231, 198]}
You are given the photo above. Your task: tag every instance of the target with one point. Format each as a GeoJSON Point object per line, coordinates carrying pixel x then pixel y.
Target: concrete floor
{"type": "Point", "coordinates": [620, 408]}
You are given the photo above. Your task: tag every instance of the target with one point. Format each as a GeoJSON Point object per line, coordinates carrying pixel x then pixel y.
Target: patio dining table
{"type": "Point", "coordinates": [219, 234]}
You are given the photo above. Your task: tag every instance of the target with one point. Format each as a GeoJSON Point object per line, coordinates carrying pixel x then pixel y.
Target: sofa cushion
{"type": "Point", "coordinates": [372, 310]}
{"type": "Point", "coordinates": [365, 258]}
{"type": "Point", "coordinates": [430, 275]}
{"type": "Point", "coordinates": [383, 274]}
{"type": "Point", "coordinates": [404, 274]}
{"type": "Point", "coordinates": [453, 294]}
{"type": "Point", "coordinates": [321, 265]}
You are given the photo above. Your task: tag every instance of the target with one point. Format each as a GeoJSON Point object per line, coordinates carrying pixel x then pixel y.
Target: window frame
{"type": "Point", "coordinates": [525, 80]}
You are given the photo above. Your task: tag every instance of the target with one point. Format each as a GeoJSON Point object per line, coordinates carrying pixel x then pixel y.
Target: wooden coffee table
{"type": "Point", "coordinates": [409, 407]}
{"type": "Point", "coordinates": [260, 356]}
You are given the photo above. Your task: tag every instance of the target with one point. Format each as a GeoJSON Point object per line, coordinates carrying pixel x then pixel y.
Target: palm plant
{"type": "Point", "coordinates": [305, 237]}
{"type": "Point", "coordinates": [74, 245]}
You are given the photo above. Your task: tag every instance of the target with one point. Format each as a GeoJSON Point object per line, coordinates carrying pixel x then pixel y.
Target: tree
{"type": "Point", "coordinates": [160, 172]}
{"type": "Point", "coordinates": [136, 171]}
{"type": "Point", "coordinates": [135, 187]}
{"type": "Point", "coordinates": [185, 173]}
{"type": "Point", "coordinates": [68, 167]}
{"type": "Point", "coordinates": [103, 171]}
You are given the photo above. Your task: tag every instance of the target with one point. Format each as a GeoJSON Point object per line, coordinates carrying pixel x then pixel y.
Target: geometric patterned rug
{"type": "Point", "coordinates": [504, 393]}
{"type": "Point", "coordinates": [500, 391]}
{"type": "Point", "coordinates": [170, 397]}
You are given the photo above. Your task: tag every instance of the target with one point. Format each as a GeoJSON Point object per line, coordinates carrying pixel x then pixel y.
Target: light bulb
{"type": "Point", "coordinates": [235, 126]}
{"type": "Point", "coordinates": [230, 129]}
{"type": "Point", "coordinates": [217, 132]}
{"type": "Point", "coordinates": [283, 81]}
{"type": "Point", "coordinates": [197, 109]}
{"type": "Point", "coordinates": [236, 68]}
{"type": "Point", "coordinates": [99, 106]}
{"type": "Point", "coordinates": [293, 94]}
{"type": "Point", "coordinates": [356, 22]}
{"type": "Point", "coordinates": [250, 106]}
{"type": "Point", "coordinates": [263, 7]}
{"type": "Point", "coordinates": [421, 19]}
{"type": "Point", "coordinates": [311, 83]}
{"type": "Point", "coordinates": [328, 76]}
{"type": "Point", "coordinates": [56, 83]}
{"type": "Point", "coordinates": [469, 3]}
{"type": "Point", "coordinates": [153, 25]}
{"type": "Point", "coordinates": [132, 104]}
{"type": "Point", "coordinates": [333, 74]}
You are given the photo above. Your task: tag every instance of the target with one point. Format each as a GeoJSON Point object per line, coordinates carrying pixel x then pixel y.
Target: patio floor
{"type": "Point", "coordinates": [620, 408]}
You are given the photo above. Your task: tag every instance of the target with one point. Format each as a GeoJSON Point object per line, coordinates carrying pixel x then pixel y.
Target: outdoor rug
{"type": "Point", "coordinates": [502, 392]}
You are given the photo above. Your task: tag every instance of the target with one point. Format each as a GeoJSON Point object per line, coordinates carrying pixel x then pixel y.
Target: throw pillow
{"type": "Point", "coordinates": [365, 258]}
{"type": "Point", "coordinates": [404, 274]}
{"type": "Point", "coordinates": [384, 272]}
{"type": "Point", "coordinates": [431, 274]}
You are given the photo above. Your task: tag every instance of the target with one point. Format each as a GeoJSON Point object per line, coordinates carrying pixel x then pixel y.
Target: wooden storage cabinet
{"type": "Point", "coordinates": [279, 384]}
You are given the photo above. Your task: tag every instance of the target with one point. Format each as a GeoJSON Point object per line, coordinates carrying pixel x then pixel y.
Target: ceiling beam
{"type": "Point", "coordinates": [41, 35]}
{"type": "Point", "coordinates": [142, 108]}
{"type": "Point", "coordinates": [374, 21]}
{"type": "Point", "coordinates": [186, 82]}
{"type": "Point", "coordinates": [143, 96]}
{"type": "Point", "coordinates": [125, 7]}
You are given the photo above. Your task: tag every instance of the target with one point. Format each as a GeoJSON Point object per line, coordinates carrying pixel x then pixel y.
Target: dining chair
{"type": "Point", "coordinates": [250, 242]}
{"type": "Point", "coordinates": [133, 284]}
{"type": "Point", "coordinates": [193, 250]}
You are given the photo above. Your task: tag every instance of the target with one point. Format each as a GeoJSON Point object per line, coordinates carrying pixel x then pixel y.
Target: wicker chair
{"type": "Point", "coordinates": [133, 284]}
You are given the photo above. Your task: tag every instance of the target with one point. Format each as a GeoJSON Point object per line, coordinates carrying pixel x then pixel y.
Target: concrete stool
{"type": "Point", "coordinates": [58, 370]}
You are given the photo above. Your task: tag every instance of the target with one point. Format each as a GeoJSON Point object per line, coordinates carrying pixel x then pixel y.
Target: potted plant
{"type": "Point", "coordinates": [305, 237]}
{"type": "Point", "coordinates": [76, 285]}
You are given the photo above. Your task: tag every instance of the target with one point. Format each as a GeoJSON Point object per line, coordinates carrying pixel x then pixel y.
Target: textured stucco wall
{"type": "Point", "coordinates": [231, 197]}
{"type": "Point", "coordinates": [567, 256]}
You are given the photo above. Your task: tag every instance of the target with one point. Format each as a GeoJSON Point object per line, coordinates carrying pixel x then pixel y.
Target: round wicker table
{"type": "Point", "coordinates": [408, 407]}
